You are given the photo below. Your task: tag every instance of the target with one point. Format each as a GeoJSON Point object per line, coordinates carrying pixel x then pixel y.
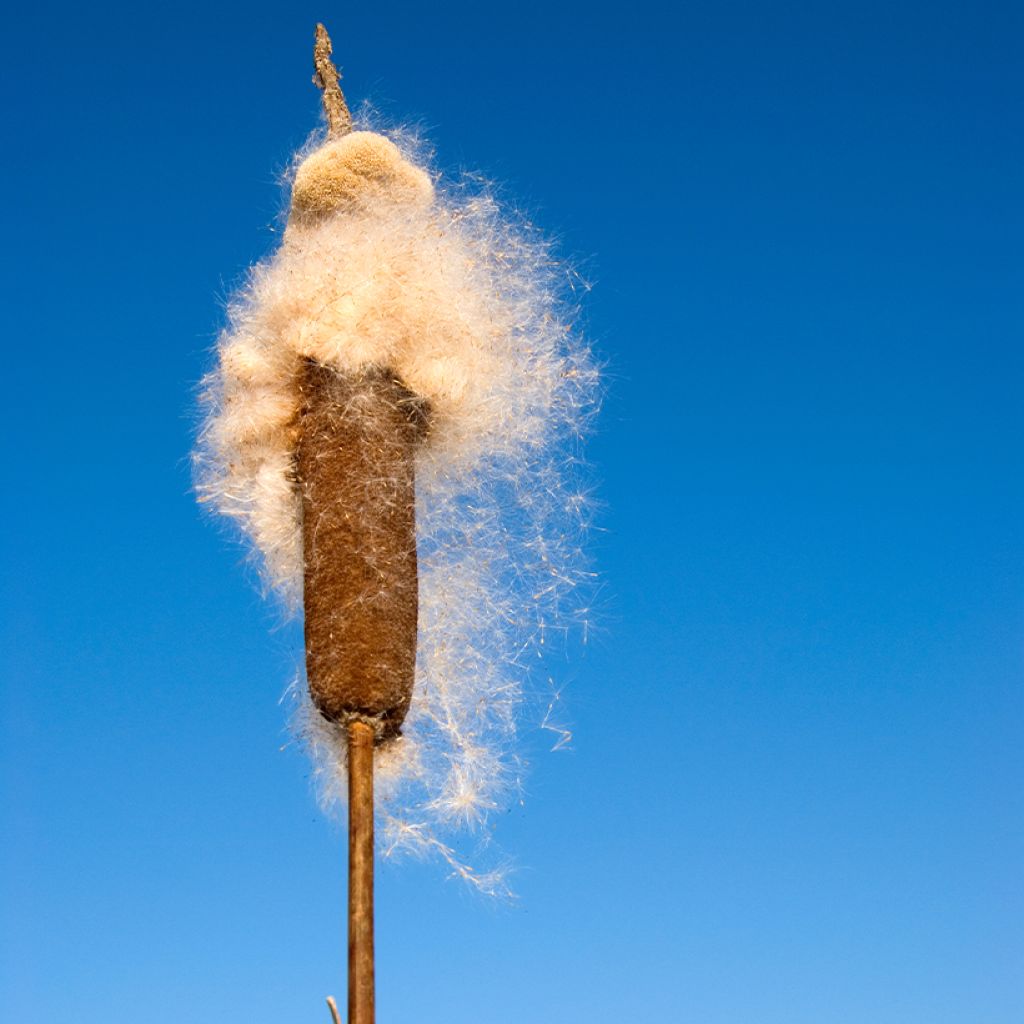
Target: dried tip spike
{"type": "Point", "coordinates": [339, 120]}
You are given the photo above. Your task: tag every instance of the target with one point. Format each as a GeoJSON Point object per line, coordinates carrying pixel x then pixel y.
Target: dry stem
{"type": "Point", "coordinates": [333, 1007]}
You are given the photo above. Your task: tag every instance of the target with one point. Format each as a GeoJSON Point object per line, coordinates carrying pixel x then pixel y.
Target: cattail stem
{"type": "Point", "coordinates": [360, 874]}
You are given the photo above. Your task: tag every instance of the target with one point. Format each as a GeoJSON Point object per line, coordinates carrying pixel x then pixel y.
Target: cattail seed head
{"type": "Point", "coordinates": [400, 390]}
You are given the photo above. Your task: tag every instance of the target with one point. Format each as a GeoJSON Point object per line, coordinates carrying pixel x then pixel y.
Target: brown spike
{"type": "Point", "coordinates": [355, 458]}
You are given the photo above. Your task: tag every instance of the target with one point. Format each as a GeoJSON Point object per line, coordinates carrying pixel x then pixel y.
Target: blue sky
{"type": "Point", "coordinates": [793, 791]}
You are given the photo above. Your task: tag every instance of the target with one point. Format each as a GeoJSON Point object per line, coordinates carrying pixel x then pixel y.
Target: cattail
{"type": "Point", "coordinates": [395, 390]}
{"type": "Point", "coordinates": [391, 423]}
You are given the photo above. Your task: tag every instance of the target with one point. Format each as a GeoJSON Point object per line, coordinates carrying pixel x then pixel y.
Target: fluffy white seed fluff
{"type": "Point", "coordinates": [381, 265]}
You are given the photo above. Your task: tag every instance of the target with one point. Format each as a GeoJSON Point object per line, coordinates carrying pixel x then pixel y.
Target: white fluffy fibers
{"type": "Point", "coordinates": [382, 265]}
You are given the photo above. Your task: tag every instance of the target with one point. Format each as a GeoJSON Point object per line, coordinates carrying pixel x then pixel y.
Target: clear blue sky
{"type": "Point", "coordinates": [794, 790]}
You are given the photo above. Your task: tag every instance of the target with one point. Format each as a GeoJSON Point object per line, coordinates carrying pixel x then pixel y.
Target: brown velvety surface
{"type": "Point", "coordinates": [355, 467]}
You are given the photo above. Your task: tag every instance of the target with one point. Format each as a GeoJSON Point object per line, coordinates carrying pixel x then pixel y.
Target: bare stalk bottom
{"type": "Point", "coordinates": [360, 874]}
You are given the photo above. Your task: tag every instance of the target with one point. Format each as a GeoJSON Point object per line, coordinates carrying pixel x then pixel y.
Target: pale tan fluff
{"type": "Point", "coordinates": [382, 265]}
